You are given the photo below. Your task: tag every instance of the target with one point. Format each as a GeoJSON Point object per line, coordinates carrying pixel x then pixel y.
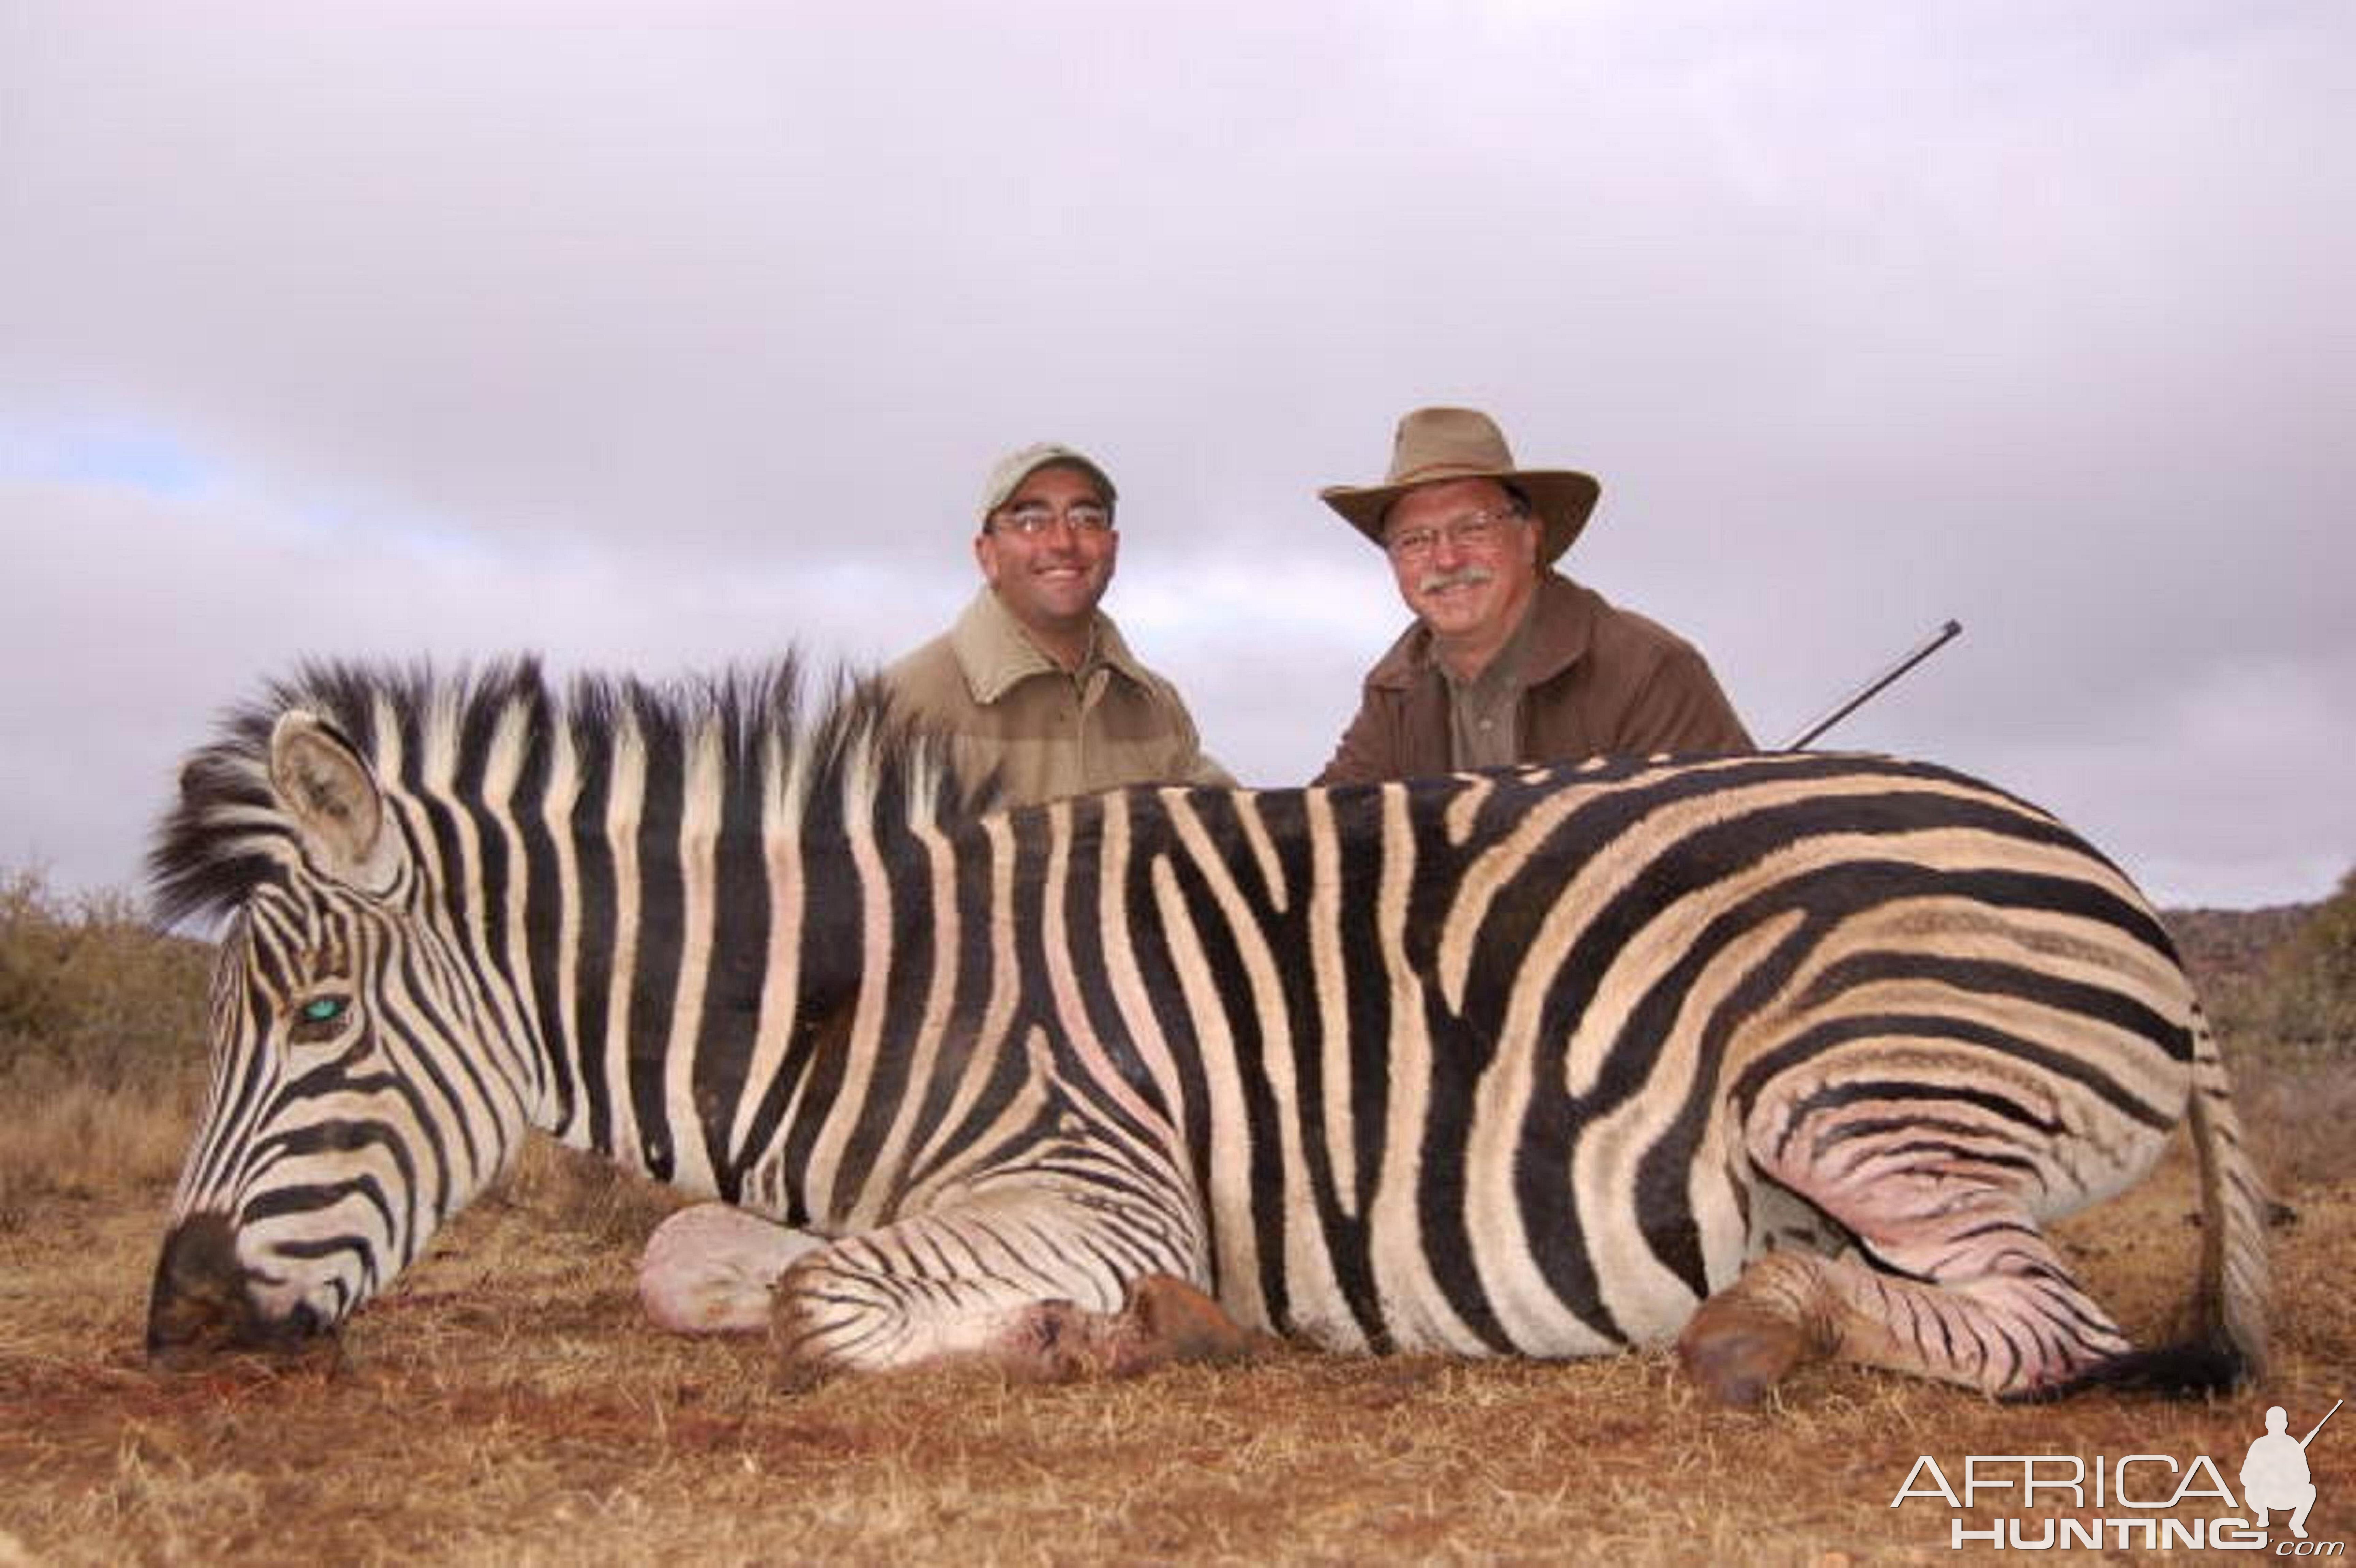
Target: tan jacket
{"type": "Point", "coordinates": [1597, 678]}
{"type": "Point", "coordinates": [1048, 731]}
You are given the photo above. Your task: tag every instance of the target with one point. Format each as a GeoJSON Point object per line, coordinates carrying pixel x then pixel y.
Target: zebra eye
{"type": "Point", "coordinates": [320, 1019]}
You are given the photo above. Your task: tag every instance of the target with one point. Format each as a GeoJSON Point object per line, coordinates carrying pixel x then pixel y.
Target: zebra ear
{"type": "Point", "coordinates": [333, 798]}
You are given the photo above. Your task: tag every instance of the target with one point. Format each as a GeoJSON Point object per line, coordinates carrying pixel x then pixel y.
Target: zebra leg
{"type": "Point", "coordinates": [712, 1269]}
{"type": "Point", "coordinates": [1953, 1280]}
{"type": "Point", "coordinates": [1033, 1281]}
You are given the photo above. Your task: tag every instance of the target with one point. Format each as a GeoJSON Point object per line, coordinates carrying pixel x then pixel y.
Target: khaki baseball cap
{"type": "Point", "coordinates": [1011, 470]}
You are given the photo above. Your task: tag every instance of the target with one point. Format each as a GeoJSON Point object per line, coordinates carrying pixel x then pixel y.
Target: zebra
{"type": "Point", "coordinates": [1770, 1056]}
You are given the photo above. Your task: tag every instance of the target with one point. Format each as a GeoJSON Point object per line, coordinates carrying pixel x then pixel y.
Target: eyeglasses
{"type": "Point", "coordinates": [1477, 531]}
{"type": "Point", "coordinates": [1084, 518]}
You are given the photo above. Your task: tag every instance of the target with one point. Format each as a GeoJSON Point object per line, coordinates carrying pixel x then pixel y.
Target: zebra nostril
{"type": "Point", "coordinates": [203, 1306]}
{"type": "Point", "coordinates": [199, 1305]}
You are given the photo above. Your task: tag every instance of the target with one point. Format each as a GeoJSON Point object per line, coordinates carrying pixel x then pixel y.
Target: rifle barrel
{"type": "Point", "coordinates": [1864, 694]}
{"type": "Point", "coordinates": [2318, 1425]}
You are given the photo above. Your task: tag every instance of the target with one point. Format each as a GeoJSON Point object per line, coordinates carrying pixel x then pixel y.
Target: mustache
{"type": "Point", "coordinates": [1462, 577]}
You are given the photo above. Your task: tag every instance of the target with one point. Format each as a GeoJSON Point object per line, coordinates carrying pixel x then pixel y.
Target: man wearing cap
{"type": "Point", "coordinates": [1509, 661]}
{"type": "Point", "coordinates": [1033, 680]}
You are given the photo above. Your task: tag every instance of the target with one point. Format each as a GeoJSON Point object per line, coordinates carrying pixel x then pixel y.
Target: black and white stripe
{"type": "Point", "coordinates": [1527, 1063]}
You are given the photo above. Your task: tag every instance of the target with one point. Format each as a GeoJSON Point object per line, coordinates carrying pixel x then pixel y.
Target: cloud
{"type": "Point", "coordinates": [660, 338]}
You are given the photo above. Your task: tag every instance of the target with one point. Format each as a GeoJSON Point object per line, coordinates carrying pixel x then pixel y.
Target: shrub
{"type": "Point", "coordinates": [102, 1047]}
{"type": "Point", "coordinates": [87, 985]}
{"type": "Point", "coordinates": [2311, 980]}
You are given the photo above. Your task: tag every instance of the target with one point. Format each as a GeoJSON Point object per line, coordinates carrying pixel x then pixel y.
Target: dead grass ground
{"type": "Point", "coordinates": [507, 1404]}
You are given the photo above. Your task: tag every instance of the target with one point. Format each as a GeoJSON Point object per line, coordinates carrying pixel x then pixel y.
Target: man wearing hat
{"type": "Point", "coordinates": [1509, 661]}
{"type": "Point", "coordinates": [1033, 680]}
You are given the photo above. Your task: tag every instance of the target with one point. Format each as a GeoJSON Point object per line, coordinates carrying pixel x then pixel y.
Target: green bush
{"type": "Point", "coordinates": [2311, 980]}
{"type": "Point", "coordinates": [91, 991]}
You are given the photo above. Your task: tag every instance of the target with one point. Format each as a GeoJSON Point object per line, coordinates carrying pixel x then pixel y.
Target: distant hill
{"type": "Point", "coordinates": [2226, 948]}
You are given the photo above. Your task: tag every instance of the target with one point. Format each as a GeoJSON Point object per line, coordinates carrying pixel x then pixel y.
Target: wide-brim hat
{"type": "Point", "coordinates": [1435, 445]}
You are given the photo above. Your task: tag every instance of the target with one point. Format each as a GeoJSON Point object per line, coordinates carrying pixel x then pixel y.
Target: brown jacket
{"type": "Point", "coordinates": [1600, 678]}
{"type": "Point", "coordinates": [1049, 732]}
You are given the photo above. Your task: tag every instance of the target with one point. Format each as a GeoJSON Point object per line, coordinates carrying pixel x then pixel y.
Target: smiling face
{"type": "Point", "coordinates": [1465, 556]}
{"type": "Point", "coordinates": [1051, 577]}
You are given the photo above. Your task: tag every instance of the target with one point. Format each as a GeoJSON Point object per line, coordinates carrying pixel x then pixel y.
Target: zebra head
{"type": "Point", "coordinates": [360, 1095]}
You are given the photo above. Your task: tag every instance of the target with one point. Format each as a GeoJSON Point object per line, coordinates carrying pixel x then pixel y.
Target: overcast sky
{"type": "Point", "coordinates": [659, 337]}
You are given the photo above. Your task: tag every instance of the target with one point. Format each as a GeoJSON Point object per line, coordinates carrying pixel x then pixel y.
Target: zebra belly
{"type": "Point", "coordinates": [1559, 1282]}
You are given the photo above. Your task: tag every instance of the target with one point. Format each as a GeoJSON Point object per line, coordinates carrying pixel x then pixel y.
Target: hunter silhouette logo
{"type": "Point", "coordinates": [2151, 1502]}
{"type": "Point", "coordinates": [2274, 1475]}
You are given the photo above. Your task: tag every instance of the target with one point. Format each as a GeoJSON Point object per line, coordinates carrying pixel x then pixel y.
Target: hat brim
{"type": "Point", "coordinates": [1560, 498]}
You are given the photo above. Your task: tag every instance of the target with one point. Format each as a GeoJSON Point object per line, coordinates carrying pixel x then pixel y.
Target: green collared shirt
{"type": "Point", "coordinates": [1484, 712]}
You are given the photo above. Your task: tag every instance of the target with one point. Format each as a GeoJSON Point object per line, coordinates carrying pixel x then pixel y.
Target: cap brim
{"type": "Point", "coordinates": [1562, 499]}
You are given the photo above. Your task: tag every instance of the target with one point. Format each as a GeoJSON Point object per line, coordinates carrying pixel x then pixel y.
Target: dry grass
{"type": "Point", "coordinates": [87, 1141]}
{"type": "Point", "coordinates": [2304, 1118]}
{"type": "Point", "coordinates": [505, 1404]}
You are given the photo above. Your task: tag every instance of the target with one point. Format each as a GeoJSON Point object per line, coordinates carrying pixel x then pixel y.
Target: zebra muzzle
{"type": "Point", "coordinates": [202, 1306]}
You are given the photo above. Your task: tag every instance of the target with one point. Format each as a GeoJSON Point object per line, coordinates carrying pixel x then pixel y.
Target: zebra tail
{"type": "Point", "coordinates": [2227, 1343]}
{"type": "Point", "coordinates": [2231, 1299]}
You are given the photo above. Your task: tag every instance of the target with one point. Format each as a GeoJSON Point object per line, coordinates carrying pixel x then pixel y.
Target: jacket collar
{"type": "Point", "coordinates": [994, 653]}
{"type": "Point", "coordinates": [1561, 630]}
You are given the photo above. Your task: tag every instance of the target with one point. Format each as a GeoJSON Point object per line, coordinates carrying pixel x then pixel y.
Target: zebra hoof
{"type": "Point", "coordinates": [1737, 1350]}
{"type": "Point", "coordinates": [1168, 1319]}
{"type": "Point", "coordinates": [1165, 1320]}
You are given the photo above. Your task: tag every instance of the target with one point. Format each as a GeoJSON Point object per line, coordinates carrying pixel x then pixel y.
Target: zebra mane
{"type": "Point", "coordinates": [856, 754]}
